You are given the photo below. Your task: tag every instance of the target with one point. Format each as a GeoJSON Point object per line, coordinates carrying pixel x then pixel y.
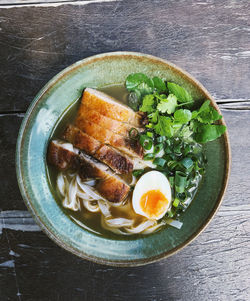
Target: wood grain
{"type": "Point", "coordinates": [210, 39]}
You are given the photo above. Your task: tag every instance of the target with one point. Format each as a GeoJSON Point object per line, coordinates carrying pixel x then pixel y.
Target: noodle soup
{"type": "Point", "coordinates": [127, 160]}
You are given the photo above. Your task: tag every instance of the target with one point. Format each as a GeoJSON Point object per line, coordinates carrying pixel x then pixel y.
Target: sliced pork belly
{"type": "Point", "coordinates": [108, 106]}
{"type": "Point", "coordinates": [117, 161]}
{"type": "Point", "coordinates": [61, 155]}
{"type": "Point", "coordinates": [126, 145]}
{"type": "Point", "coordinates": [113, 125]}
{"type": "Point", "coordinates": [108, 185]}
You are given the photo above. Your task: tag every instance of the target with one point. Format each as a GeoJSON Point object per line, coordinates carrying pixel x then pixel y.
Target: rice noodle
{"type": "Point", "coordinates": [141, 227]}
{"type": "Point", "coordinates": [104, 207]}
{"type": "Point", "coordinates": [119, 222]}
{"type": "Point", "coordinates": [88, 189]}
{"type": "Point", "coordinates": [153, 228]}
{"type": "Point", "coordinates": [174, 223]}
{"type": "Point", "coordinates": [60, 183]}
{"type": "Point", "coordinates": [90, 206]}
{"type": "Point", "coordinates": [141, 164]}
{"type": "Point", "coordinates": [75, 192]}
{"type": "Point", "coordinates": [71, 201]}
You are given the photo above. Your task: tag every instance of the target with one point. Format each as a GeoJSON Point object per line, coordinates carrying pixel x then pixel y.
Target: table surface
{"type": "Point", "coordinates": [211, 40]}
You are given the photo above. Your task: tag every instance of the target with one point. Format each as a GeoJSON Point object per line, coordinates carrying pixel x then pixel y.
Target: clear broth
{"type": "Point", "coordinates": [89, 220]}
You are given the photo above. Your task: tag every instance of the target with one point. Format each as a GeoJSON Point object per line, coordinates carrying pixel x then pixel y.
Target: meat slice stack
{"type": "Point", "coordinates": [102, 144]}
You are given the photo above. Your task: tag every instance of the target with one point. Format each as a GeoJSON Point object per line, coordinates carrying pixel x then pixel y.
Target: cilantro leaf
{"type": "Point", "coordinates": [168, 104]}
{"type": "Point", "coordinates": [159, 84]}
{"type": "Point", "coordinates": [182, 115]}
{"type": "Point", "coordinates": [164, 126]}
{"type": "Point", "coordinates": [147, 103]}
{"type": "Point", "coordinates": [208, 132]}
{"type": "Point", "coordinates": [181, 93]}
{"type": "Point", "coordinates": [141, 82]}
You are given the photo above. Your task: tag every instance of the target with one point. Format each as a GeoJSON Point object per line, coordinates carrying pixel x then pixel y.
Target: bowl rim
{"type": "Point", "coordinates": [20, 141]}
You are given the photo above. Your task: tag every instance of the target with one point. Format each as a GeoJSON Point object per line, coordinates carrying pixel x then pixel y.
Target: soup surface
{"type": "Point", "coordinates": [92, 221]}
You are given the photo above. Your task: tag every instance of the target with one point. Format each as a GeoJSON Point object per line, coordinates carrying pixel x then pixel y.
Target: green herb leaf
{"type": "Point", "coordinates": [209, 115]}
{"type": "Point", "coordinates": [159, 84]}
{"type": "Point", "coordinates": [140, 82]}
{"type": "Point", "coordinates": [147, 103]}
{"type": "Point", "coordinates": [154, 116]}
{"type": "Point", "coordinates": [181, 93]}
{"type": "Point", "coordinates": [168, 104]}
{"type": "Point", "coordinates": [183, 115]}
{"type": "Point", "coordinates": [206, 113]}
{"type": "Point", "coordinates": [164, 126]}
{"type": "Point", "coordinates": [208, 132]}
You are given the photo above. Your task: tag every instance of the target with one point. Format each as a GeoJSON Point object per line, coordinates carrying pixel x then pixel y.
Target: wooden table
{"type": "Point", "coordinates": [211, 40]}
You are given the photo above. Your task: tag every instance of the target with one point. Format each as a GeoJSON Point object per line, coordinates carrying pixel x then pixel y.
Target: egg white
{"type": "Point", "coordinates": [152, 180]}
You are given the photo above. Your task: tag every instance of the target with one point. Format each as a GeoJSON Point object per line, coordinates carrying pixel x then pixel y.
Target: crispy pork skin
{"type": "Point", "coordinates": [108, 185]}
{"type": "Point", "coordinates": [108, 106]}
{"type": "Point", "coordinates": [61, 154]}
{"type": "Point", "coordinates": [129, 146]}
{"type": "Point", "coordinates": [117, 161]}
{"type": "Point", "coordinates": [118, 127]}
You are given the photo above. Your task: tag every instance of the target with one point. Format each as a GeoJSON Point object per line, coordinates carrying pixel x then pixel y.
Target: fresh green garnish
{"type": "Point", "coordinates": [181, 93]}
{"type": "Point", "coordinates": [167, 104]}
{"type": "Point", "coordinates": [159, 84]}
{"type": "Point", "coordinates": [173, 133]}
{"type": "Point", "coordinates": [208, 132]}
{"type": "Point", "coordinates": [133, 133]}
{"type": "Point", "coordinates": [147, 104]}
{"type": "Point", "coordinates": [182, 116]}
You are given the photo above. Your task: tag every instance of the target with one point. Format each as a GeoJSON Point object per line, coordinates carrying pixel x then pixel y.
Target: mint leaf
{"type": "Point", "coordinates": [147, 103]}
{"type": "Point", "coordinates": [182, 115]}
{"type": "Point", "coordinates": [159, 84]}
{"type": "Point", "coordinates": [164, 126]}
{"type": "Point", "coordinates": [181, 93]}
{"type": "Point", "coordinates": [168, 105]}
{"type": "Point", "coordinates": [140, 82]}
{"type": "Point", "coordinates": [208, 132]}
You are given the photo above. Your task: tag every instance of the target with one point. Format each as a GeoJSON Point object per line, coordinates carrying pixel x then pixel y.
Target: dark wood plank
{"type": "Point", "coordinates": [210, 39]}
{"type": "Point", "coordinates": [9, 193]}
{"type": "Point", "coordinates": [214, 267]}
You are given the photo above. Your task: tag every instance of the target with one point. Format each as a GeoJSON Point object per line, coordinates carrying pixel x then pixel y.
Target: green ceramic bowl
{"type": "Point", "coordinates": [36, 129]}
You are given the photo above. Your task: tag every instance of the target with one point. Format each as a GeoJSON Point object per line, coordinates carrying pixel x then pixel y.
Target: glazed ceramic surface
{"type": "Point", "coordinates": [37, 127]}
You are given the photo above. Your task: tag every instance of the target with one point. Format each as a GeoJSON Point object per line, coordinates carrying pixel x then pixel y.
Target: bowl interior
{"type": "Point", "coordinates": [43, 114]}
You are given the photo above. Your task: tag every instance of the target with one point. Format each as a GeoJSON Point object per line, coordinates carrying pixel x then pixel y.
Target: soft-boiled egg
{"type": "Point", "coordinates": [152, 195]}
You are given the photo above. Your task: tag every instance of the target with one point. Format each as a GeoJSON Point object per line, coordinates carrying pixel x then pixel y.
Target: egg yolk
{"type": "Point", "coordinates": [153, 203]}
